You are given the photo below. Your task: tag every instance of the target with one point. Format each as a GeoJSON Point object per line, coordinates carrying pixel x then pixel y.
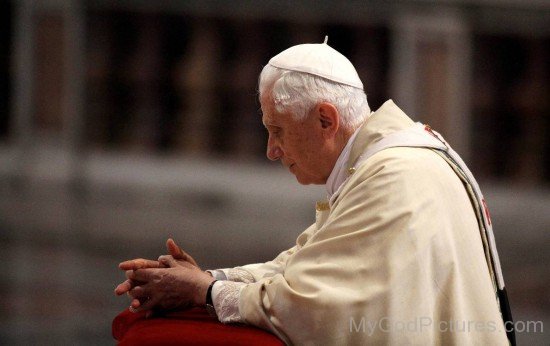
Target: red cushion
{"type": "Point", "coordinates": [189, 327]}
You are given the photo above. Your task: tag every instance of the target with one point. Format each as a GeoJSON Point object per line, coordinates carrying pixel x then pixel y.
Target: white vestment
{"type": "Point", "coordinates": [396, 258]}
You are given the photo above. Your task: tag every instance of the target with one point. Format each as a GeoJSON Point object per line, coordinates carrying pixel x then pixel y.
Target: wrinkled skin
{"type": "Point", "coordinates": [172, 282]}
{"type": "Point", "coordinates": [308, 148]}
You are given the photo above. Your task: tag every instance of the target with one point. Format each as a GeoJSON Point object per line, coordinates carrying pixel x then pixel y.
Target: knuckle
{"type": "Point", "coordinates": [135, 292]}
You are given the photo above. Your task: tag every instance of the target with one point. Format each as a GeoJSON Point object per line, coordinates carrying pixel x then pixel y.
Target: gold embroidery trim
{"type": "Point", "coordinates": [322, 206]}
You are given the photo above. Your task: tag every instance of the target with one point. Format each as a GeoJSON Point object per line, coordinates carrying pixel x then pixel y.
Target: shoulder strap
{"type": "Point", "coordinates": [422, 136]}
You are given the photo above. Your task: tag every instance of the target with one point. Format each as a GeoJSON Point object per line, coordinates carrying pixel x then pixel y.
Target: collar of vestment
{"type": "Point", "coordinates": [339, 172]}
{"type": "Point", "coordinates": [386, 120]}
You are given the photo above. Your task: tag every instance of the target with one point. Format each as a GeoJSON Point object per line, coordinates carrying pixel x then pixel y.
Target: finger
{"type": "Point", "coordinates": [147, 305]}
{"type": "Point", "coordinates": [178, 253]}
{"type": "Point", "coordinates": [136, 292]}
{"type": "Point", "coordinates": [168, 261]}
{"type": "Point", "coordinates": [124, 287]}
{"type": "Point", "coordinates": [135, 303]}
{"type": "Point", "coordinates": [139, 296]}
{"type": "Point", "coordinates": [142, 293]}
{"type": "Point", "coordinates": [174, 249]}
{"type": "Point", "coordinates": [139, 263]}
{"type": "Point", "coordinates": [131, 275]}
{"type": "Point", "coordinates": [143, 275]}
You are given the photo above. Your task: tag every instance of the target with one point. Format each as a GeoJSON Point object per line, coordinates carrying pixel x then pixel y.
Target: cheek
{"type": "Point", "coordinates": [299, 144]}
{"type": "Point", "coordinates": [309, 157]}
{"type": "Point", "coordinates": [311, 147]}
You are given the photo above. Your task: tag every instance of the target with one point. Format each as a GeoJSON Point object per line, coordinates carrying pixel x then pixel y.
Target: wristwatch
{"type": "Point", "coordinates": [209, 302]}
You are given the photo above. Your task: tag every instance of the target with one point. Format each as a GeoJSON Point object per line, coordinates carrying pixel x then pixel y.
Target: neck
{"type": "Point", "coordinates": [338, 173]}
{"type": "Point", "coordinates": [342, 139]}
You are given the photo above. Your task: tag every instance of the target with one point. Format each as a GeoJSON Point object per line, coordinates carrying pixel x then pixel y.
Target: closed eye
{"type": "Point", "coordinates": [273, 130]}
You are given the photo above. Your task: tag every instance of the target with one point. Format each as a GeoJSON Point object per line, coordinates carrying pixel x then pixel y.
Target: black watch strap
{"type": "Point", "coordinates": [209, 302]}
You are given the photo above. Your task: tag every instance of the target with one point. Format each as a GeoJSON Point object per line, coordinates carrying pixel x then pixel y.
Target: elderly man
{"type": "Point", "coordinates": [401, 252]}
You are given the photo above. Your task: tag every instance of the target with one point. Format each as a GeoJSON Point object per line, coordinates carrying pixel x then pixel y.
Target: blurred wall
{"type": "Point", "coordinates": [124, 123]}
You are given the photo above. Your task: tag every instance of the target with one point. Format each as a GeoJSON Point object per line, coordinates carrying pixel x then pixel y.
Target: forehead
{"type": "Point", "coordinates": [270, 116]}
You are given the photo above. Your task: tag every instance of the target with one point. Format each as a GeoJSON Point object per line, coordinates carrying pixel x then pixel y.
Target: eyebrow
{"type": "Point", "coordinates": [270, 124]}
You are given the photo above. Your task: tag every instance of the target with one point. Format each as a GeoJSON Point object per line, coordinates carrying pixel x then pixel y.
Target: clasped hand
{"type": "Point", "coordinates": [174, 281]}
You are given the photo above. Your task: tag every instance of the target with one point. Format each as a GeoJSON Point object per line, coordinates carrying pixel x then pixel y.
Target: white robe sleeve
{"type": "Point", "coordinates": [253, 272]}
{"type": "Point", "coordinates": [400, 245]}
{"type": "Point", "coordinates": [217, 274]}
{"type": "Point", "coordinates": [225, 296]}
{"type": "Point", "coordinates": [226, 292]}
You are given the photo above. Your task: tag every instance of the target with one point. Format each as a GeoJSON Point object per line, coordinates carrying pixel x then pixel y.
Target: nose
{"type": "Point", "coordinates": [274, 152]}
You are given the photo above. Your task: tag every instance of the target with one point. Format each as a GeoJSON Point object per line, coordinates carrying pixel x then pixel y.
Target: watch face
{"type": "Point", "coordinates": [211, 310]}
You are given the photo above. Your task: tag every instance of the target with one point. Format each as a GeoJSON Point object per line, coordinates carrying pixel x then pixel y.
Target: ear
{"type": "Point", "coordinates": [329, 118]}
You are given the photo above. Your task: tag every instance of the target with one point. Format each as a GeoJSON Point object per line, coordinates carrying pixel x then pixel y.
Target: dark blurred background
{"type": "Point", "coordinates": [123, 123]}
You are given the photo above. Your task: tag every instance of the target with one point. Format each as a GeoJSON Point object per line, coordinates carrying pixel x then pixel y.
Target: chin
{"type": "Point", "coordinates": [303, 182]}
{"type": "Point", "coordinates": [308, 180]}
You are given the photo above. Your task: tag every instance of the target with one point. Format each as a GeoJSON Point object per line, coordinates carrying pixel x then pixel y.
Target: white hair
{"type": "Point", "coordinates": [298, 92]}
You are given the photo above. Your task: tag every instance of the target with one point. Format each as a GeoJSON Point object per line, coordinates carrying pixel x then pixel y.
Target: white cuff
{"type": "Point", "coordinates": [217, 274]}
{"type": "Point", "coordinates": [225, 296]}
{"type": "Point", "coordinates": [238, 275]}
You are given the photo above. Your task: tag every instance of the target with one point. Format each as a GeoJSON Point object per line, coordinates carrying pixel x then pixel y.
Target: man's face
{"type": "Point", "coordinates": [299, 145]}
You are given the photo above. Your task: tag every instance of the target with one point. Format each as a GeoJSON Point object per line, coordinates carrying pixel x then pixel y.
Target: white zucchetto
{"type": "Point", "coordinates": [318, 59]}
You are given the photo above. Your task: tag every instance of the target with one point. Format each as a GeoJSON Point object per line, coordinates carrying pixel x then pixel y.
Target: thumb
{"type": "Point", "coordinates": [178, 253]}
{"type": "Point", "coordinates": [168, 261]}
{"type": "Point", "coordinates": [174, 249]}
